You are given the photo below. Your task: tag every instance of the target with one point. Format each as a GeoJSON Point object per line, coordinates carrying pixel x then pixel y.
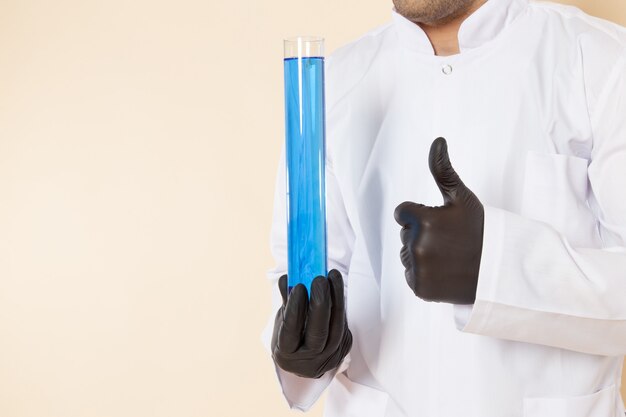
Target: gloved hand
{"type": "Point", "coordinates": [442, 245]}
{"type": "Point", "coordinates": [311, 337]}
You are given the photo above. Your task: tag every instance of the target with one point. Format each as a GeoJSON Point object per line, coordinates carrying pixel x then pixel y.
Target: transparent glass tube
{"type": "Point", "coordinates": [305, 133]}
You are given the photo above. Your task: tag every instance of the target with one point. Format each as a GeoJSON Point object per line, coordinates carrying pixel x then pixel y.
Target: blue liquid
{"type": "Point", "coordinates": [306, 201]}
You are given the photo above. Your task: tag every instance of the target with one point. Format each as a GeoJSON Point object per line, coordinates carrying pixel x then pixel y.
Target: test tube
{"type": "Point", "coordinates": [305, 159]}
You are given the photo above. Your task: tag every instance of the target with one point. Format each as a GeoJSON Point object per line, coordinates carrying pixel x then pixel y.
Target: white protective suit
{"type": "Point", "coordinates": [534, 112]}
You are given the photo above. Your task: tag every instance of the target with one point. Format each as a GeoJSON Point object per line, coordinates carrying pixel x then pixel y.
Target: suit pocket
{"type": "Point", "coordinates": [351, 399]}
{"type": "Point", "coordinates": [599, 404]}
{"type": "Point", "coordinates": [556, 188]}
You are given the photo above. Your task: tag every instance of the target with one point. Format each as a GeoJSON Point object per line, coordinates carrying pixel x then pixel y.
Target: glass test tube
{"type": "Point", "coordinates": [305, 157]}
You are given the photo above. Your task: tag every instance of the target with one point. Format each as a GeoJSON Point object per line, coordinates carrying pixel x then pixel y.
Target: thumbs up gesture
{"type": "Point", "coordinates": [442, 245]}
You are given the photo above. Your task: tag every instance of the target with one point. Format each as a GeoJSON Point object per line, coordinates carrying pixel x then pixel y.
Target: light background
{"type": "Point", "coordinates": [139, 141]}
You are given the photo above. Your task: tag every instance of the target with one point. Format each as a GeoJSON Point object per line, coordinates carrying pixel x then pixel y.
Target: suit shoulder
{"type": "Point", "coordinates": [349, 64]}
{"type": "Point", "coordinates": [582, 25]}
{"type": "Point", "coordinates": [598, 44]}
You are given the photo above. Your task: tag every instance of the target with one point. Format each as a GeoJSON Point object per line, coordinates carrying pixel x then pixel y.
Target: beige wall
{"type": "Point", "coordinates": [138, 146]}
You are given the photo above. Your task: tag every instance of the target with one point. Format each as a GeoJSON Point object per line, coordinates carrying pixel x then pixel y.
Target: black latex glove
{"type": "Point", "coordinates": [311, 337]}
{"type": "Point", "coordinates": [442, 245]}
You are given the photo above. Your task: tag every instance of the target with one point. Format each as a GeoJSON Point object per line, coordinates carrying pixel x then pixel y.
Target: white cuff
{"type": "Point", "coordinates": [301, 393]}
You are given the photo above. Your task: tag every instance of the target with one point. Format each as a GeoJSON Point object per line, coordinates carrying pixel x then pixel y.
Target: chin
{"type": "Point", "coordinates": [431, 12]}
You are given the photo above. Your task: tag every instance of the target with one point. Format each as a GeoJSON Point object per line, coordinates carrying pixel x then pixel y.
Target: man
{"type": "Point", "coordinates": [485, 273]}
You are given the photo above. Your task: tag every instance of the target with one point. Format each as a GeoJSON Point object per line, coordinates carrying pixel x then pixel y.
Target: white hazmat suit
{"type": "Point", "coordinates": [534, 113]}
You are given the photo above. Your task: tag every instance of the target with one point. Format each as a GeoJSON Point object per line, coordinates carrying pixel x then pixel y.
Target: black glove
{"type": "Point", "coordinates": [442, 245]}
{"type": "Point", "coordinates": [311, 337]}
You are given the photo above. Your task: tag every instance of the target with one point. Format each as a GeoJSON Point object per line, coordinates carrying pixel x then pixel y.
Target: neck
{"type": "Point", "coordinates": [444, 34]}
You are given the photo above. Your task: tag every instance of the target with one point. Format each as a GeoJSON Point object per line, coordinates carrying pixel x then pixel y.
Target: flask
{"type": "Point", "coordinates": [305, 159]}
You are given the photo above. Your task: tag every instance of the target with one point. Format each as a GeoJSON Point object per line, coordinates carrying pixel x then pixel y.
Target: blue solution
{"type": "Point", "coordinates": [305, 146]}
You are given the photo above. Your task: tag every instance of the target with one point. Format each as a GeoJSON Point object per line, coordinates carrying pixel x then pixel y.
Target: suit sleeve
{"type": "Point", "coordinates": [302, 393]}
{"type": "Point", "coordinates": [533, 285]}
